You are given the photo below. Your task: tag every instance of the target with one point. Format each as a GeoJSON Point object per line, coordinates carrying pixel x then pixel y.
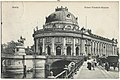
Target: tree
{"type": "Point", "coordinates": [9, 48]}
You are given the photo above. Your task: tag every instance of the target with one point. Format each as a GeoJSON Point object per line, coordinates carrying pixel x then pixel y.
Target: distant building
{"type": "Point", "coordinates": [61, 35]}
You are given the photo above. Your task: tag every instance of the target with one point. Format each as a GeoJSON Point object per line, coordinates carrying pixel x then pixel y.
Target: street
{"type": "Point", "coordinates": [98, 73]}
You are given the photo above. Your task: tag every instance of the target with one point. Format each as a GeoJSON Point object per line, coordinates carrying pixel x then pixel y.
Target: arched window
{"type": "Point", "coordinates": [58, 50]}
{"type": "Point", "coordinates": [77, 51]}
{"type": "Point", "coordinates": [40, 50]}
{"type": "Point", "coordinates": [68, 50]}
{"type": "Point", "coordinates": [48, 50]}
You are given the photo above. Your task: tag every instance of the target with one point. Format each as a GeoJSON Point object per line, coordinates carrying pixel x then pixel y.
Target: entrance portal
{"type": "Point", "coordinates": [68, 50]}
{"type": "Point", "coordinates": [58, 50]}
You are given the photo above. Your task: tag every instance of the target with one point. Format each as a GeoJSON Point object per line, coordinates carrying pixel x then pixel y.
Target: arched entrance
{"type": "Point", "coordinates": [48, 50]}
{"type": "Point", "coordinates": [40, 50]}
{"type": "Point", "coordinates": [58, 50]}
{"type": "Point", "coordinates": [68, 50]}
{"type": "Point", "coordinates": [77, 51]}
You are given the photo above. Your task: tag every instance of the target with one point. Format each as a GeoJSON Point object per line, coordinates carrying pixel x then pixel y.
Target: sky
{"type": "Point", "coordinates": [20, 18]}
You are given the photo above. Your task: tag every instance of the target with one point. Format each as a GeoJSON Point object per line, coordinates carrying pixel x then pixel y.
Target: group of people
{"type": "Point", "coordinates": [91, 63]}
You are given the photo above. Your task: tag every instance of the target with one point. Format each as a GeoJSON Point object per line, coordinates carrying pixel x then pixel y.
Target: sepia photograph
{"type": "Point", "coordinates": [60, 39]}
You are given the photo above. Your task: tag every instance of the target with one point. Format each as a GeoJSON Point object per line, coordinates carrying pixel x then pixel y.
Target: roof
{"type": "Point", "coordinates": [61, 14]}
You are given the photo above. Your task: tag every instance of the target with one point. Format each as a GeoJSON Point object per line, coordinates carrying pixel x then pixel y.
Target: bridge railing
{"type": "Point", "coordinates": [69, 72]}
{"type": "Point", "coordinates": [61, 74]}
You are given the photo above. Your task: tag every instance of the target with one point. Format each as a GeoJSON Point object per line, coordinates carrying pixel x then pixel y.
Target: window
{"type": "Point", "coordinates": [58, 39]}
{"type": "Point", "coordinates": [48, 39]}
{"type": "Point", "coordinates": [40, 40]}
{"type": "Point", "coordinates": [54, 15]}
{"type": "Point", "coordinates": [69, 40]}
{"type": "Point", "coordinates": [17, 49]}
{"type": "Point", "coordinates": [68, 15]}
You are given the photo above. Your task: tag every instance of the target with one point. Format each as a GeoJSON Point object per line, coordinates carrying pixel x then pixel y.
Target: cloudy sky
{"type": "Point", "coordinates": [20, 18]}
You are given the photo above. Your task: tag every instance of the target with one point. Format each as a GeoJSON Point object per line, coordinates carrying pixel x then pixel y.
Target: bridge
{"type": "Point", "coordinates": [56, 64]}
{"type": "Point", "coordinates": [52, 65]}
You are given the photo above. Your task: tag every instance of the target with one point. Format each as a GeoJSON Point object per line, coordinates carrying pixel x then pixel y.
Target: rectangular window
{"type": "Point", "coordinates": [58, 39]}
{"type": "Point", "coordinates": [40, 40]}
{"type": "Point", "coordinates": [69, 40]}
{"type": "Point", "coordinates": [48, 39]}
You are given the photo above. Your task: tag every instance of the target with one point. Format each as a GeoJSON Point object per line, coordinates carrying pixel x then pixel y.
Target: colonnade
{"type": "Point", "coordinates": [84, 47]}
{"type": "Point", "coordinates": [100, 48]}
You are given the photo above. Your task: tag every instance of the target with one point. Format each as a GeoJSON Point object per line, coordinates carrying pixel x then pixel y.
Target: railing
{"type": "Point", "coordinates": [68, 72]}
{"type": "Point", "coordinates": [74, 69]}
{"type": "Point", "coordinates": [60, 74]}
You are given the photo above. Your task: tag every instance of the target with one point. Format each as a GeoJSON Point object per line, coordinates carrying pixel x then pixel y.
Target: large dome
{"type": "Point", "coordinates": [62, 14]}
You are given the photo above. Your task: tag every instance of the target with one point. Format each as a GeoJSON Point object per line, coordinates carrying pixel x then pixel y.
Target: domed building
{"type": "Point", "coordinates": [61, 35]}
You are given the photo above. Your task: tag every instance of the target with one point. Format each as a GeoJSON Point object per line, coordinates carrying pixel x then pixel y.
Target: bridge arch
{"type": "Point", "coordinates": [58, 66]}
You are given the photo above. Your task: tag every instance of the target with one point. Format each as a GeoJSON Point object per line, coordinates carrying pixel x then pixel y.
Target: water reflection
{"type": "Point", "coordinates": [29, 75]}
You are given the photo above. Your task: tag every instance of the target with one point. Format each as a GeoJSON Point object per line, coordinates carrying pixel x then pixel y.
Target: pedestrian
{"type": "Point", "coordinates": [89, 64]}
{"type": "Point", "coordinates": [93, 64]}
{"type": "Point", "coordinates": [107, 66]}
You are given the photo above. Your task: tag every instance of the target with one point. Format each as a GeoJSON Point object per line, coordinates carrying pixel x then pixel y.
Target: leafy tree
{"type": "Point", "coordinates": [9, 48]}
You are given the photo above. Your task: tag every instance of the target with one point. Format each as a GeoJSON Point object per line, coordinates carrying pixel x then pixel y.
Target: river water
{"type": "Point", "coordinates": [29, 75]}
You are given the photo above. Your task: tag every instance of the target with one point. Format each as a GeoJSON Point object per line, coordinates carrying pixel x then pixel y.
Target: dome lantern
{"type": "Point", "coordinates": [61, 9]}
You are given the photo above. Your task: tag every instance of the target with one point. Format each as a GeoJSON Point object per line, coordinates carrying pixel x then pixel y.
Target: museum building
{"type": "Point", "coordinates": [61, 35]}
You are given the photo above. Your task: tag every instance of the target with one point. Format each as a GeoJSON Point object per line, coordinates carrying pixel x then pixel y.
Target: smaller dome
{"type": "Point", "coordinates": [61, 14]}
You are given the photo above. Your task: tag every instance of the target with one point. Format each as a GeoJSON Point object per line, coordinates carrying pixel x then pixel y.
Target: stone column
{"type": "Point", "coordinates": [74, 51]}
{"type": "Point", "coordinates": [53, 48]}
{"type": "Point", "coordinates": [113, 49]}
{"type": "Point", "coordinates": [105, 49]}
{"type": "Point", "coordinates": [82, 47]}
{"type": "Point", "coordinates": [79, 49]}
{"type": "Point", "coordinates": [89, 49]}
{"type": "Point", "coordinates": [101, 49]}
{"type": "Point", "coordinates": [109, 49]}
{"type": "Point", "coordinates": [94, 48]}
{"type": "Point", "coordinates": [37, 50]}
{"type": "Point", "coordinates": [80, 42]}
{"type": "Point", "coordinates": [64, 46]}
{"type": "Point", "coordinates": [35, 45]}
{"type": "Point", "coordinates": [98, 48]}
{"type": "Point", "coordinates": [43, 48]}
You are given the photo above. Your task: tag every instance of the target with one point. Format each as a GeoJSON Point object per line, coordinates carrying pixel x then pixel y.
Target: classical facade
{"type": "Point", "coordinates": [61, 35]}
